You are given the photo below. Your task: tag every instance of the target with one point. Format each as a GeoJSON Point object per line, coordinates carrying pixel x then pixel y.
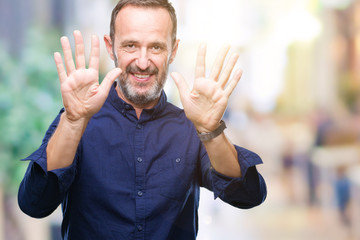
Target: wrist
{"type": "Point", "coordinates": [207, 126]}
{"type": "Point", "coordinates": [75, 124]}
{"type": "Point", "coordinates": [208, 135]}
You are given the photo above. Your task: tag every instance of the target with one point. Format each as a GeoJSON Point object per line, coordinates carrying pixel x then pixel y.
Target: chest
{"type": "Point", "coordinates": [155, 157]}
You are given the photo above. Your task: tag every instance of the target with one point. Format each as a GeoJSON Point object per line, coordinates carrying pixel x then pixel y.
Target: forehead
{"type": "Point", "coordinates": [143, 23]}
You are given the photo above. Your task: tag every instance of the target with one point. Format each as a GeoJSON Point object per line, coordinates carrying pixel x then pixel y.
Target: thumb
{"type": "Point", "coordinates": [181, 83]}
{"type": "Point", "coordinates": [109, 79]}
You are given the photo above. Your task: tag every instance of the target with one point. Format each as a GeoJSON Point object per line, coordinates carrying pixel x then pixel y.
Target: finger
{"type": "Point", "coordinates": [60, 67]}
{"type": "Point", "coordinates": [234, 81]}
{"type": "Point", "coordinates": [109, 80]}
{"type": "Point", "coordinates": [225, 75]}
{"type": "Point", "coordinates": [69, 63]}
{"type": "Point", "coordinates": [181, 84]}
{"type": "Point", "coordinates": [219, 61]}
{"type": "Point", "coordinates": [79, 50]}
{"type": "Point", "coordinates": [200, 62]}
{"type": "Point", "coordinates": [94, 53]}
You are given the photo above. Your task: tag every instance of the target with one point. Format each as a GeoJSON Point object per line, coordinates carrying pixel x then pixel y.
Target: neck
{"type": "Point", "coordinates": [138, 108]}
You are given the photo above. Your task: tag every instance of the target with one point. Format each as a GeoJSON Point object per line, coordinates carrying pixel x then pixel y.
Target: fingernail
{"type": "Point", "coordinates": [239, 71]}
{"type": "Point", "coordinates": [227, 46]}
{"type": "Point", "coordinates": [235, 55]}
{"type": "Point", "coordinates": [173, 75]}
{"type": "Point", "coordinates": [63, 39]}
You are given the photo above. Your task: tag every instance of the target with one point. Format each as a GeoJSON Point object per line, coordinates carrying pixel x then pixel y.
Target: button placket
{"type": "Point", "coordinates": [139, 143]}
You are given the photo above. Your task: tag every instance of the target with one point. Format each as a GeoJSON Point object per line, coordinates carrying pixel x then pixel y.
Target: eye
{"type": "Point", "coordinates": [156, 48]}
{"type": "Point", "coordinates": [129, 47]}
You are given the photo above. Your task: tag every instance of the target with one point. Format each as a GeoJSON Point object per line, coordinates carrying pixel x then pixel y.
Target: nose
{"type": "Point", "coordinates": [143, 60]}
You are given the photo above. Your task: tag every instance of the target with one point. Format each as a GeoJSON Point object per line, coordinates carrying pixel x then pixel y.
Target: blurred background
{"type": "Point", "coordinates": [297, 106]}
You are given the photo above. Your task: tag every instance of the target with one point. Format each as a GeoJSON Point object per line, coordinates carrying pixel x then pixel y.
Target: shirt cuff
{"type": "Point", "coordinates": [65, 176]}
{"type": "Point", "coordinates": [247, 159]}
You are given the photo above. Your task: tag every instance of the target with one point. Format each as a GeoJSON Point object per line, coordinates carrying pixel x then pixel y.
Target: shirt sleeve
{"type": "Point", "coordinates": [245, 192]}
{"type": "Point", "coordinates": [41, 191]}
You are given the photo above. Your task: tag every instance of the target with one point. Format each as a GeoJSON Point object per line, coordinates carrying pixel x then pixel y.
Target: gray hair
{"type": "Point", "coordinates": [165, 4]}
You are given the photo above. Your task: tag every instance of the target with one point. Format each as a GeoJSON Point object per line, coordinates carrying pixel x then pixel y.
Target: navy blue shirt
{"type": "Point", "coordinates": [135, 178]}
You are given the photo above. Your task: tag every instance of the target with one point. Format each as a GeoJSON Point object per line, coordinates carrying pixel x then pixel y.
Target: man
{"type": "Point", "coordinates": [123, 162]}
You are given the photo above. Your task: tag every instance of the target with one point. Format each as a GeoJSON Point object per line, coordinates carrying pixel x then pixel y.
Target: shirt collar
{"type": "Point", "coordinates": [125, 108]}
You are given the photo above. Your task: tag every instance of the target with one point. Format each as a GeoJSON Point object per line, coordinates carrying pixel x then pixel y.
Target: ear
{"type": "Point", "coordinates": [174, 50]}
{"type": "Point", "coordinates": [109, 46]}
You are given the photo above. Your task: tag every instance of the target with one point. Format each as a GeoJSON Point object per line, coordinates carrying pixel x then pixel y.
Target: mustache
{"type": "Point", "coordinates": [132, 68]}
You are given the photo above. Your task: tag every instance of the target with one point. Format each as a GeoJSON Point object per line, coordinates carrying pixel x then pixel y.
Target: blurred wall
{"type": "Point", "coordinates": [301, 62]}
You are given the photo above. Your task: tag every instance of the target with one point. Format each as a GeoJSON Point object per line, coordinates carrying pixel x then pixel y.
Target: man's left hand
{"type": "Point", "coordinates": [206, 103]}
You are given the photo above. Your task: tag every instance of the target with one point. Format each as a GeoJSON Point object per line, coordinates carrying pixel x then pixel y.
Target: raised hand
{"type": "Point", "coordinates": [206, 103]}
{"type": "Point", "coordinates": [81, 93]}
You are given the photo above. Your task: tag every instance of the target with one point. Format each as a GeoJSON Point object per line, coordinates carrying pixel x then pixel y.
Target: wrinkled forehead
{"type": "Point", "coordinates": [143, 22]}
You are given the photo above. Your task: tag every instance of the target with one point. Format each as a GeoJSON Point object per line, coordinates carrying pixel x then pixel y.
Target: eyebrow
{"type": "Point", "coordinates": [128, 42]}
{"type": "Point", "coordinates": [159, 43]}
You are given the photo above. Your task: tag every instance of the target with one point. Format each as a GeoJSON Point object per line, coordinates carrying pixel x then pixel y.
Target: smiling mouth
{"type": "Point", "coordinates": [141, 76]}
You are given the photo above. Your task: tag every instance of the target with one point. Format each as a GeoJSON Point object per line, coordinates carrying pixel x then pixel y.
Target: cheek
{"type": "Point", "coordinates": [124, 59]}
{"type": "Point", "coordinates": [161, 62]}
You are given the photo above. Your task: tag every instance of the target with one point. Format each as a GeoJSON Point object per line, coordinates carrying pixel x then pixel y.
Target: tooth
{"type": "Point", "coordinates": [141, 76]}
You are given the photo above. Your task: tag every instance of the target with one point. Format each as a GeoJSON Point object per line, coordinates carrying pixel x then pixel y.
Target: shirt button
{"type": "Point", "coordinates": [178, 160]}
{"type": "Point", "coordinates": [140, 193]}
{"type": "Point", "coordinates": [140, 228]}
{"type": "Point", "coordinates": [139, 159]}
{"type": "Point", "coordinates": [138, 126]}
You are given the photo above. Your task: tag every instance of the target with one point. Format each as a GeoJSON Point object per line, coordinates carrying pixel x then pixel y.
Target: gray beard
{"type": "Point", "coordinates": [130, 92]}
{"type": "Point", "coordinates": [144, 99]}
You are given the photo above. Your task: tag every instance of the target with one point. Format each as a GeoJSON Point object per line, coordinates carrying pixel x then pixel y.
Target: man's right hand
{"type": "Point", "coordinates": [82, 96]}
{"type": "Point", "coordinates": [81, 92]}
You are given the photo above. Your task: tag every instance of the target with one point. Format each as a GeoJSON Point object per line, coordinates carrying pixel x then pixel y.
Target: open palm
{"type": "Point", "coordinates": [81, 92]}
{"type": "Point", "coordinates": [206, 102]}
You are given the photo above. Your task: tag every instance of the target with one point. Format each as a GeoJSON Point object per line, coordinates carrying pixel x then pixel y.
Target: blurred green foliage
{"type": "Point", "coordinates": [29, 100]}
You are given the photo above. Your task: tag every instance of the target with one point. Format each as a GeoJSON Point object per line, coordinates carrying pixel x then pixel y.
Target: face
{"type": "Point", "coordinates": [143, 49]}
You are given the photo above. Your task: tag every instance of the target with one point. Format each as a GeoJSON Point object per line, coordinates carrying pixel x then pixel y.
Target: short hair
{"type": "Point", "coordinates": [165, 4]}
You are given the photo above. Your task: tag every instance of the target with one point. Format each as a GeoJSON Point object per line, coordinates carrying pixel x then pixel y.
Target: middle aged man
{"type": "Point", "coordinates": [123, 162]}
